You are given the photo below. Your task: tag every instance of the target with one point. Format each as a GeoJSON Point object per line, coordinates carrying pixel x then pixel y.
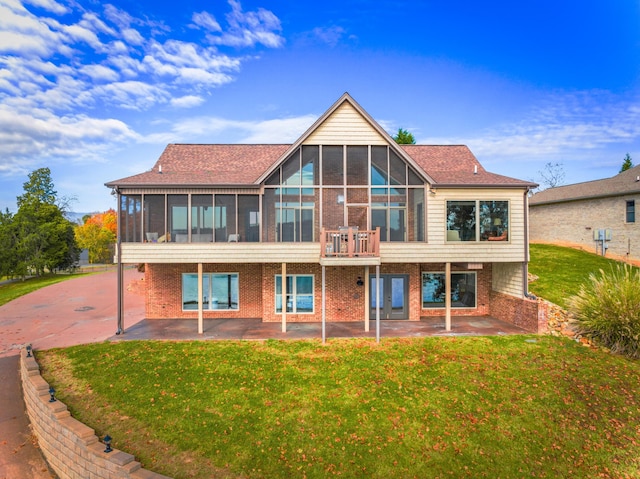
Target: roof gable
{"type": "Point", "coordinates": [345, 122]}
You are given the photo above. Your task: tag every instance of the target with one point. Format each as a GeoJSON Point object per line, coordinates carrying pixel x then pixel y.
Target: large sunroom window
{"type": "Point", "coordinates": [220, 291]}
{"type": "Point", "coordinates": [463, 290]}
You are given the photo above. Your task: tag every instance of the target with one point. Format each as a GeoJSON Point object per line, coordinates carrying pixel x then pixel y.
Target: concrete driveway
{"type": "Point", "coordinates": [77, 311]}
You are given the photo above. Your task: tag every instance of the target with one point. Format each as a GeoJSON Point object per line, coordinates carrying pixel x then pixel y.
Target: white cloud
{"type": "Point", "coordinates": [100, 73]}
{"type": "Point", "coordinates": [209, 129]}
{"type": "Point", "coordinates": [49, 5]}
{"type": "Point", "coordinates": [74, 76]}
{"type": "Point", "coordinates": [206, 21]}
{"type": "Point", "coordinates": [187, 101]}
{"type": "Point", "coordinates": [574, 121]}
{"type": "Point", "coordinates": [247, 29]}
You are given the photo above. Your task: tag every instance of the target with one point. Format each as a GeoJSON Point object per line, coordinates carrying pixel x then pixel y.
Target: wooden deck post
{"type": "Point", "coordinates": [367, 292]}
{"type": "Point", "coordinates": [324, 304]}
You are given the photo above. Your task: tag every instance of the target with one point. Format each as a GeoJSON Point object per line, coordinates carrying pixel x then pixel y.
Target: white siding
{"type": "Point", "coordinates": [508, 279]}
{"type": "Point", "coordinates": [345, 126]}
{"type": "Point", "coordinates": [513, 250]}
{"type": "Point", "coordinates": [133, 253]}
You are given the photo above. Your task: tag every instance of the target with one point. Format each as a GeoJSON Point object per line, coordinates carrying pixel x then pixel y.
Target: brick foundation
{"type": "Point", "coordinates": [71, 448]}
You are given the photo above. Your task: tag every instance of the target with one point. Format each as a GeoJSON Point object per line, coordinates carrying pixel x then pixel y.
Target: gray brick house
{"type": "Point", "coordinates": [580, 213]}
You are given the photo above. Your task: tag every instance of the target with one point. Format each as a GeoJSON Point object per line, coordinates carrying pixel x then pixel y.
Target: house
{"type": "Point", "coordinates": [342, 225]}
{"type": "Point", "coordinates": [596, 215]}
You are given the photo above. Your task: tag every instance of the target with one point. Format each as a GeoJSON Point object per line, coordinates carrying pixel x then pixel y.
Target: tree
{"type": "Point", "coordinates": [39, 188]}
{"type": "Point", "coordinates": [552, 175]}
{"type": "Point", "coordinates": [626, 163]}
{"type": "Point", "coordinates": [43, 237]}
{"type": "Point", "coordinates": [403, 137]}
{"type": "Point", "coordinates": [8, 242]}
{"type": "Point", "coordinates": [97, 234]}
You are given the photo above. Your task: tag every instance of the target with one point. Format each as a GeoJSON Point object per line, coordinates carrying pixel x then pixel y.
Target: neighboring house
{"type": "Point", "coordinates": [583, 214]}
{"type": "Point", "coordinates": [343, 214]}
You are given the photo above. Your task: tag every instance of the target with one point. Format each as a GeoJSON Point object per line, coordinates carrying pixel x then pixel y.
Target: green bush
{"type": "Point", "coordinates": [607, 309]}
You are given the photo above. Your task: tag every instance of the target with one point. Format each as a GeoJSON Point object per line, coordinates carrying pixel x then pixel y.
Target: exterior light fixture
{"type": "Point", "coordinates": [28, 350]}
{"type": "Point", "coordinates": [360, 282]}
{"type": "Point", "coordinates": [52, 393]}
{"type": "Point", "coordinates": [107, 442]}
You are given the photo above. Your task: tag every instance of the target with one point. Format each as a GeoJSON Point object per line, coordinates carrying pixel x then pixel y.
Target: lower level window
{"type": "Point", "coordinates": [299, 298]}
{"type": "Point", "coordinates": [219, 291]}
{"type": "Point", "coordinates": [463, 290]}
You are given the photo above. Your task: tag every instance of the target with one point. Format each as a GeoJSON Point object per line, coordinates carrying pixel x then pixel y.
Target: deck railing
{"type": "Point", "coordinates": [349, 242]}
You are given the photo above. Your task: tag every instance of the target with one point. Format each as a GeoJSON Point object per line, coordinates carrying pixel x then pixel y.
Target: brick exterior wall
{"type": "Point", "coordinates": [344, 298]}
{"type": "Point", "coordinates": [483, 287]}
{"type": "Point", "coordinates": [574, 222]}
{"type": "Point", "coordinates": [71, 448]}
{"type": "Point", "coordinates": [519, 311]}
{"type": "Point", "coordinates": [164, 290]}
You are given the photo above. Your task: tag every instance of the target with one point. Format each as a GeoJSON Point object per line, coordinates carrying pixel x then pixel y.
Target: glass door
{"type": "Point", "coordinates": [393, 296]}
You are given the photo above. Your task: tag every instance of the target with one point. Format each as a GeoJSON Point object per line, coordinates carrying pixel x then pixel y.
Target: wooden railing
{"type": "Point", "coordinates": [349, 242]}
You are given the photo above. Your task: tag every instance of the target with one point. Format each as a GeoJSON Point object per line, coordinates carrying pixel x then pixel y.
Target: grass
{"type": "Point", "coordinates": [15, 289]}
{"type": "Point", "coordinates": [560, 271]}
{"type": "Point", "coordinates": [499, 407]}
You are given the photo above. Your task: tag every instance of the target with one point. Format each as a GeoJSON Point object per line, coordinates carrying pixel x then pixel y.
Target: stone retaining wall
{"type": "Point", "coordinates": [71, 448]}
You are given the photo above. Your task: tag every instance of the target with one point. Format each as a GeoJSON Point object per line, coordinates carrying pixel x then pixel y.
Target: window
{"type": "Point", "coordinates": [477, 220]}
{"type": "Point", "coordinates": [463, 290]}
{"type": "Point", "coordinates": [219, 291]}
{"type": "Point", "coordinates": [494, 220]}
{"type": "Point", "coordinates": [631, 211]}
{"type": "Point", "coordinates": [461, 220]}
{"type": "Point", "coordinates": [299, 294]}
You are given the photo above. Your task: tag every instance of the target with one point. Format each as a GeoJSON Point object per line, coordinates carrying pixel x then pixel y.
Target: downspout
{"type": "Point", "coordinates": [525, 264]}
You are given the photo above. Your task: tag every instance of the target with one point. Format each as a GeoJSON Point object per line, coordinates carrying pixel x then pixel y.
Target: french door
{"type": "Point", "coordinates": [394, 296]}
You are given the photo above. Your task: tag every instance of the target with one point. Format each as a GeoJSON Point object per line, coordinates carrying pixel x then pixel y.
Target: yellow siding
{"type": "Point", "coordinates": [345, 126]}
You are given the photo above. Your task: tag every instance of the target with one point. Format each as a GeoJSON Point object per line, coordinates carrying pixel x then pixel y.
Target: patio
{"type": "Point", "coordinates": [255, 329]}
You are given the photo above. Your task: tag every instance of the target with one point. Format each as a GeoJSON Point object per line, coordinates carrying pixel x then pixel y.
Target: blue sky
{"type": "Point", "coordinates": [96, 90]}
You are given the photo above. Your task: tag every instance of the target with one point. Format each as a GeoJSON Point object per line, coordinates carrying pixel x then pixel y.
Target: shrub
{"type": "Point", "coordinates": [607, 309]}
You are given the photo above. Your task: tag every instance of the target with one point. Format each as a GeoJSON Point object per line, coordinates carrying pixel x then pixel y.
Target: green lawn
{"type": "Point", "coordinates": [561, 271]}
{"type": "Point", "coordinates": [498, 407]}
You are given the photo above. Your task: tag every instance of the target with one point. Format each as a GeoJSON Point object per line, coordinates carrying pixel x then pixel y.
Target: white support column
{"type": "Point", "coordinates": [367, 303]}
{"type": "Point", "coordinates": [284, 297]}
{"type": "Point", "coordinates": [377, 303]}
{"type": "Point", "coordinates": [324, 304]}
{"type": "Point", "coordinates": [200, 315]}
{"type": "Point", "coordinates": [447, 297]}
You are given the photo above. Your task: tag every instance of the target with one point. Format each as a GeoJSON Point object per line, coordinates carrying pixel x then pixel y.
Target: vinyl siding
{"type": "Point", "coordinates": [345, 126]}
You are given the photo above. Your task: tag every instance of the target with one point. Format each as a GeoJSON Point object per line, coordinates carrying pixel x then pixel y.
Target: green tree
{"type": "Point", "coordinates": [626, 163]}
{"type": "Point", "coordinates": [8, 242]}
{"type": "Point", "coordinates": [403, 137]}
{"type": "Point", "coordinates": [44, 238]}
{"type": "Point", "coordinates": [39, 188]}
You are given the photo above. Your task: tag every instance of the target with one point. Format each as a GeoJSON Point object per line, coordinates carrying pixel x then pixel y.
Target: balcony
{"type": "Point", "coordinates": [349, 245]}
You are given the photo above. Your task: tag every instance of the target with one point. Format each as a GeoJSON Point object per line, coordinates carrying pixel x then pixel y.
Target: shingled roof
{"type": "Point", "coordinates": [625, 183]}
{"type": "Point", "coordinates": [216, 165]}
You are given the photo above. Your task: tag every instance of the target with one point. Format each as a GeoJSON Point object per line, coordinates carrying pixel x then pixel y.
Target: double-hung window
{"type": "Point", "coordinates": [631, 211]}
{"type": "Point", "coordinates": [299, 297]}
{"type": "Point", "coordinates": [220, 291]}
